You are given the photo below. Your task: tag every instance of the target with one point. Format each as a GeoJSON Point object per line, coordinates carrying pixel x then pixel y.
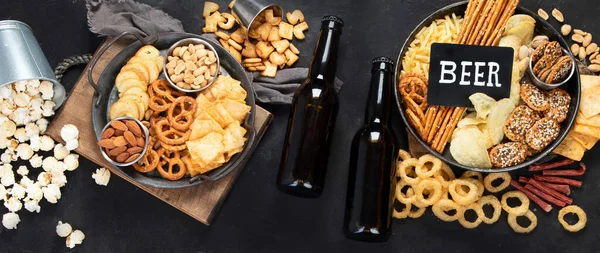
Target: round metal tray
{"type": "Point", "coordinates": [106, 94]}
{"type": "Point", "coordinates": [541, 27]}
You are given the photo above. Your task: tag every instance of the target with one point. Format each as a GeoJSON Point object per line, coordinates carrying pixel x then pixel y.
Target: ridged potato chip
{"type": "Point", "coordinates": [469, 148]}
{"type": "Point", "coordinates": [483, 104]}
{"type": "Point", "coordinates": [470, 119]}
{"type": "Point", "coordinates": [498, 116]}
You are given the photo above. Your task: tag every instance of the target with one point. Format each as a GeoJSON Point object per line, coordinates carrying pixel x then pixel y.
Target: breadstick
{"type": "Point", "coordinates": [501, 31]}
{"type": "Point", "coordinates": [493, 21]}
{"type": "Point", "coordinates": [470, 25]}
{"type": "Point", "coordinates": [486, 10]}
{"type": "Point", "coordinates": [440, 132]}
{"type": "Point", "coordinates": [439, 117]}
{"type": "Point", "coordinates": [468, 16]}
{"type": "Point", "coordinates": [458, 114]}
{"type": "Point", "coordinates": [508, 12]}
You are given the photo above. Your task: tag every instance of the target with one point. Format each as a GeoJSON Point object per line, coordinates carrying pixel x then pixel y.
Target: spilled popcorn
{"type": "Point", "coordinates": [101, 176]}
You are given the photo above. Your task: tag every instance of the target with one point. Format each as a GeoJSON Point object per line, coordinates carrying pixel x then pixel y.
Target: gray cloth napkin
{"type": "Point", "coordinates": [113, 17]}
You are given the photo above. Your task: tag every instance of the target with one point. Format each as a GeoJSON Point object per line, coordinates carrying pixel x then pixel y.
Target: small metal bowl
{"type": "Point", "coordinates": [144, 129]}
{"type": "Point", "coordinates": [185, 42]}
{"type": "Point", "coordinates": [549, 86]}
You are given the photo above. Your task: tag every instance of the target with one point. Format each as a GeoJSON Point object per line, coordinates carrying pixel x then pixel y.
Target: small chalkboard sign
{"type": "Point", "coordinates": [458, 71]}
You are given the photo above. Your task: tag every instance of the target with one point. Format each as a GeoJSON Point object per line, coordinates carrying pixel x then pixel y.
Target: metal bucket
{"type": "Point", "coordinates": [21, 58]}
{"type": "Point", "coordinates": [246, 11]}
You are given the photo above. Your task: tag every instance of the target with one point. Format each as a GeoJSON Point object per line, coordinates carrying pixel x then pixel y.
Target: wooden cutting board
{"type": "Point", "coordinates": [201, 202]}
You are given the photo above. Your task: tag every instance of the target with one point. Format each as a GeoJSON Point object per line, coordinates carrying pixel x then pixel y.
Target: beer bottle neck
{"type": "Point", "coordinates": [324, 62]}
{"type": "Point", "coordinates": [378, 104]}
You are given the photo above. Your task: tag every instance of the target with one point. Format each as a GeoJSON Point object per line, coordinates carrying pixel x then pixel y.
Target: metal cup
{"type": "Point", "coordinates": [21, 58]}
{"type": "Point", "coordinates": [246, 11]}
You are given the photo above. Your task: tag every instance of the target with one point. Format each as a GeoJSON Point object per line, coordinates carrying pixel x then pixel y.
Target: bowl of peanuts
{"type": "Point", "coordinates": [192, 65]}
{"type": "Point", "coordinates": [124, 141]}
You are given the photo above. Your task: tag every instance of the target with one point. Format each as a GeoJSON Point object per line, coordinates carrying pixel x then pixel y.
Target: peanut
{"type": "Point", "coordinates": [587, 40]}
{"type": "Point", "coordinates": [558, 15]}
{"type": "Point", "coordinates": [565, 29]}
{"type": "Point", "coordinates": [543, 14]}
{"type": "Point", "coordinates": [594, 67]}
{"type": "Point", "coordinates": [577, 38]}
{"type": "Point", "coordinates": [575, 48]}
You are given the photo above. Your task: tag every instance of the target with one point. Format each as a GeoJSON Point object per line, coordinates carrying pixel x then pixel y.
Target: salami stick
{"type": "Point", "coordinates": [552, 192]}
{"type": "Point", "coordinates": [550, 165]}
{"type": "Point", "coordinates": [558, 180]}
{"type": "Point", "coordinates": [562, 188]}
{"type": "Point", "coordinates": [541, 203]}
{"type": "Point", "coordinates": [566, 173]}
{"type": "Point", "coordinates": [545, 196]}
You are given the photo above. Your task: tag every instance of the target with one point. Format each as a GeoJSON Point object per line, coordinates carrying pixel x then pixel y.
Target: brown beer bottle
{"type": "Point", "coordinates": [371, 178]}
{"type": "Point", "coordinates": [314, 109]}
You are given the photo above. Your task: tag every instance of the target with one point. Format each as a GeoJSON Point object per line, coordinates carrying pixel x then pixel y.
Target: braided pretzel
{"type": "Point", "coordinates": [414, 87]}
{"type": "Point", "coordinates": [157, 103]}
{"type": "Point", "coordinates": [169, 135]}
{"type": "Point", "coordinates": [181, 113]}
{"type": "Point", "coordinates": [173, 147]}
{"type": "Point", "coordinates": [171, 161]}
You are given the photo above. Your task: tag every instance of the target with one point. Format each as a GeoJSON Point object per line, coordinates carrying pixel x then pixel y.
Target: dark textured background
{"type": "Point", "coordinates": [256, 217]}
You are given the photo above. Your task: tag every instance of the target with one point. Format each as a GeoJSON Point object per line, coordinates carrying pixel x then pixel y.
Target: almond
{"type": "Point", "coordinates": [130, 138]}
{"type": "Point", "coordinates": [134, 128]}
{"type": "Point", "coordinates": [109, 132]}
{"type": "Point", "coordinates": [122, 157]}
{"type": "Point", "coordinates": [118, 125]}
{"type": "Point", "coordinates": [132, 158]}
{"type": "Point", "coordinates": [135, 150]}
{"type": "Point", "coordinates": [119, 132]}
{"type": "Point", "coordinates": [141, 142]}
{"type": "Point", "coordinates": [107, 143]}
{"type": "Point", "coordinates": [120, 141]}
{"type": "Point", "coordinates": [117, 151]}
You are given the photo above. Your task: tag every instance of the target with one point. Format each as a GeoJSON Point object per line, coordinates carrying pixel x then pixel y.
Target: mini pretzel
{"type": "Point", "coordinates": [161, 88]}
{"type": "Point", "coordinates": [157, 103]}
{"type": "Point", "coordinates": [169, 162]}
{"type": "Point", "coordinates": [181, 113]}
{"type": "Point", "coordinates": [414, 86]}
{"type": "Point", "coordinates": [169, 135]}
{"type": "Point", "coordinates": [173, 147]}
{"type": "Point", "coordinates": [150, 162]}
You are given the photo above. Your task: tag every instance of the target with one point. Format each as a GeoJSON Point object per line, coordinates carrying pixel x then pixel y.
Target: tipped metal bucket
{"type": "Point", "coordinates": [21, 58]}
{"type": "Point", "coordinates": [246, 11]}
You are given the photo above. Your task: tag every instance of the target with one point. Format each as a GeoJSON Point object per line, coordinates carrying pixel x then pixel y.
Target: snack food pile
{"type": "Point", "coordinates": [270, 44]}
{"type": "Point", "coordinates": [192, 67]}
{"type": "Point", "coordinates": [132, 83]}
{"type": "Point", "coordinates": [428, 182]}
{"type": "Point", "coordinates": [24, 107]}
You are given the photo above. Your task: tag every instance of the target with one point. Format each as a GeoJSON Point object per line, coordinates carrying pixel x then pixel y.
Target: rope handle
{"type": "Point", "coordinates": [67, 63]}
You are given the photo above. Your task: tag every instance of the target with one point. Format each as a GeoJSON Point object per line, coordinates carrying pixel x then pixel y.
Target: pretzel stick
{"type": "Point", "coordinates": [440, 132]}
{"type": "Point", "coordinates": [468, 16]}
{"type": "Point", "coordinates": [439, 117]}
{"type": "Point", "coordinates": [499, 30]}
{"type": "Point", "coordinates": [458, 113]}
{"type": "Point", "coordinates": [493, 21]}
{"type": "Point", "coordinates": [429, 117]}
{"type": "Point", "coordinates": [469, 26]}
{"type": "Point", "coordinates": [482, 17]}
{"type": "Point", "coordinates": [489, 19]}
{"type": "Point", "coordinates": [414, 120]}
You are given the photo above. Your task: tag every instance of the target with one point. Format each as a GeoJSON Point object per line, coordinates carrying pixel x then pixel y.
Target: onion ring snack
{"type": "Point", "coordinates": [436, 165]}
{"type": "Point", "coordinates": [495, 203]}
{"type": "Point", "coordinates": [469, 197]}
{"type": "Point", "coordinates": [518, 210]}
{"type": "Point", "coordinates": [472, 174]}
{"type": "Point", "coordinates": [403, 155]}
{"type": "Point", "coordinates": [444, 205]}
{"type": "Point", "coordinates": [405, 165]}
{"type": "Point", "coordinates": [512, 222]}
{"type": "Point", "coordinates": [434, 188]}
{"type": "Point", "coordinates": [490, 178]}
{"type": "Point", "coordinates": [407, 198]}
{"type": "Point", "coordinates": [470, 224]}
{"type": "Point", "coordinates": [418, 213]}
{"type": "Point", "coordinates": [575, 210]}
{"type": "Point", "coordinates": [402, 214]}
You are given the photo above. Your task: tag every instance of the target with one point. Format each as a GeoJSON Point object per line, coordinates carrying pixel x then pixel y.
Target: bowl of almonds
{"type": "Point", "coordinates": [192, 65]}
{"type": "Point", "coordinates": [124, 141]}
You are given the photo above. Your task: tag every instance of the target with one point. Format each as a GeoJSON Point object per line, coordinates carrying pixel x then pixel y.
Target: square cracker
{"type": "Point", "coordinates": [587, 141]}
{"type": "Point", "coordinates": [593, 121]}
{"type": "Point", "coordinates": [589, 104]}
{"type": "Point", "coordinates": [570, 148]}
{"type": "Point", "coordinates": [587, 130]}
{"type": "Point", "coordinates": [588, 82]}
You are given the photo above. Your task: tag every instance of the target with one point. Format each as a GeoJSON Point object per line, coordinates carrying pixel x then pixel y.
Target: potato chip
{"type": "Point", "coordinates": [587, 130]}
{"type": "Point", "coordinates": [592, 121]}
{"type": "Point", "coordinates": [587, 141]}
{"type": "Point", "coordinates": [486, 135]}
{"type": "Point", "coordinates": [589, 104]}
{"type": "Point", "coordinates": [236, 109]}
{"type": "Point", "coordinates": [470, 119]}
{"type": "Point", "coordinates": [570, 148]}
{"type": "Point", "coordinates": [201, 127]}
{"type": "Point", "coordinates": [515, 85]}
{"type": "Point", "coordinates": [588, 82]}
{"type": "Point", "coordinates": [234, 137]}
{"type": "Point", "coordinates": [468, 148]}
{"type": "Point", "coordinates": [498, 116]}
{"type": "Point", "coordinates": [483, 104]}
{"type": "Point", "coordinates": [206, 149]}
{"type": "Point", "coordinates": [221, 115]}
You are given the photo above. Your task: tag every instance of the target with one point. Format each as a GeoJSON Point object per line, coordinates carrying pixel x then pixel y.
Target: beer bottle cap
{"type": "Point", "coordinates": [332, 21]}
{"type": "Point", "coordinates": [383, 62]}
